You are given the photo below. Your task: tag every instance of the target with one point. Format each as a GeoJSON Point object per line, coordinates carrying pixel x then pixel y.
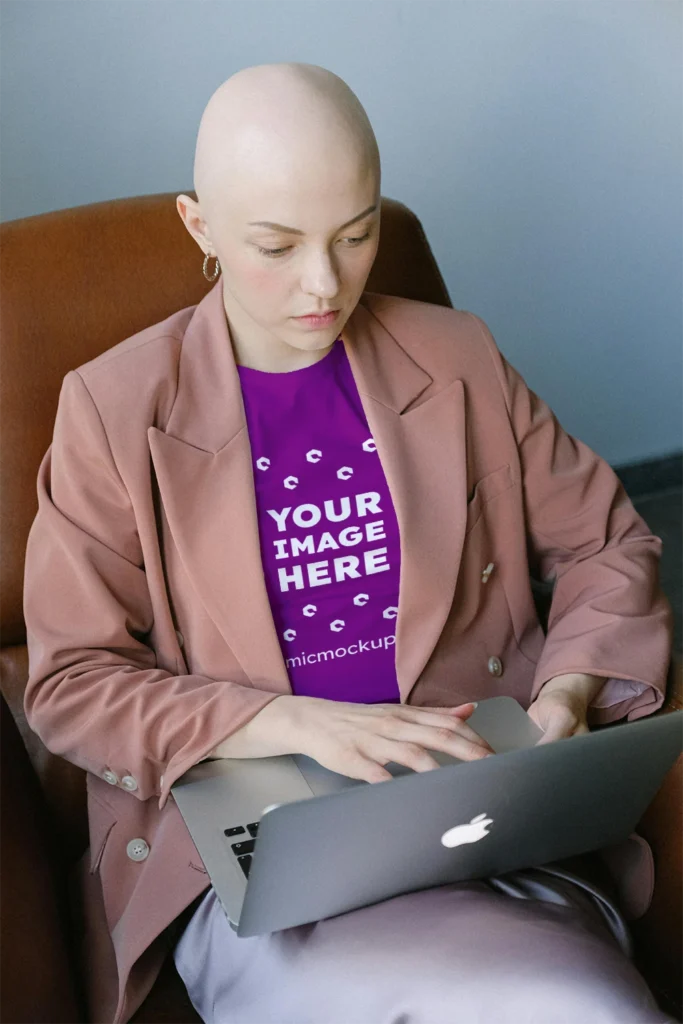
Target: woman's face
{"type": "Point", "coordinates": [315, 261]}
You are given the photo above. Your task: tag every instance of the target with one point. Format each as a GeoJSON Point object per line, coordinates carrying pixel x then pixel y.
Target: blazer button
{"type": "Point", "coordinates": [137, 849]}
{"type": "Point", "coordinates": [129, 783]}
{"type": "Point", "coordinates": [181, 641]}
{"type": "Point", "coordinates": [111, 777]}
{"type": "Point", "coordinates": [495, 666]}
{"type": "Point", "coordinates": [487, 572]}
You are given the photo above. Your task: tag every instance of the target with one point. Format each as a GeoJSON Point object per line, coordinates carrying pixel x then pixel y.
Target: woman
{"type": "Point", "coordinates": [236, 504]}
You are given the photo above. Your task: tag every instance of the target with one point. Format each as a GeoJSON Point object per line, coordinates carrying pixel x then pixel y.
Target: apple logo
{"type": "Point", "coordinates": [470, 833]}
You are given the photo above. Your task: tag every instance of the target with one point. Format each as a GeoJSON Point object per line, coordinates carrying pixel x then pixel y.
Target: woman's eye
{"type": "Point", "coordinates": [271, 252]}
{"type": "Point", "coordinates": [361, 239]}
{"type": "Point", "coordinates": [275, 253]}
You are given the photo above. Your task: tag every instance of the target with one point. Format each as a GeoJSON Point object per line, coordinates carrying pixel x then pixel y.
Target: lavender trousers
{"type": "Point", "coordinates": [540, 946]}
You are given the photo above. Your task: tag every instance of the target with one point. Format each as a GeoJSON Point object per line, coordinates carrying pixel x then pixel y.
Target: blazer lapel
{"type": "Point", "coordinates": [420, 436]}
{"type": "Point", "coordinates": [203, 463]}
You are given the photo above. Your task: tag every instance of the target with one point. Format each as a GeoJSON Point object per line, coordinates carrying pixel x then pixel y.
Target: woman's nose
{"type": "Point", "coordinates": [321, 277]}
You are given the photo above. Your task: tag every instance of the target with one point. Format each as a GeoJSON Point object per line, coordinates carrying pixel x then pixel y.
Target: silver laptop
{"type": "Point", "coordinates": [286, 841]}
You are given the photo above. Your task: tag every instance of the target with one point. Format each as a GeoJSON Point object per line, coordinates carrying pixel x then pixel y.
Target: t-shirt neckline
{"type": "Point", "coordinates": [320, 366]}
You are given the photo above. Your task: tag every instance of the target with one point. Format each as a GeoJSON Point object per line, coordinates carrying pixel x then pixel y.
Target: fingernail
{"type": "Point", "coordinates": [474, 703]}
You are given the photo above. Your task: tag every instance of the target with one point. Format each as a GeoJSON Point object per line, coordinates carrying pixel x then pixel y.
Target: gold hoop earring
{"type": "Point", "coordinates": [217, 269]}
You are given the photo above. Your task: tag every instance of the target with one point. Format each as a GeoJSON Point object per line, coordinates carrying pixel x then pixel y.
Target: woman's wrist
{"type": "Point", "coordinates": [581, 685]}
{"type": "Point", "coordinates": [267, 734]}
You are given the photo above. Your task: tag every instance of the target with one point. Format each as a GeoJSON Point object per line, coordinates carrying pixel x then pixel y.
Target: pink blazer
{"type": "Point", "coordinates": [149, 629]}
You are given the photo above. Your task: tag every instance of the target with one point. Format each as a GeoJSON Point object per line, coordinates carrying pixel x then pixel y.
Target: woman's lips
{"type": "Point", "coordinates": [318, 321]}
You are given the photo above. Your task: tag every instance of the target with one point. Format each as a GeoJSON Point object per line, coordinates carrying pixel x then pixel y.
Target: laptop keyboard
{"type": "Point", "coordinates": [244, 848]}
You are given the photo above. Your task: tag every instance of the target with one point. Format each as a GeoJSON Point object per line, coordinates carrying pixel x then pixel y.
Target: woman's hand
{"type": "Point", "coordinates": [562, 705]}
{"type": "Point", "coordinates": [356, 739]}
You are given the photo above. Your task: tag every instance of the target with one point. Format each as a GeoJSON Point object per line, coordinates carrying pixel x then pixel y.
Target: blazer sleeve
{"type": "Point", "coordinates": [94, 693]}
{"type": "Point", "coordinates": [609, 615]}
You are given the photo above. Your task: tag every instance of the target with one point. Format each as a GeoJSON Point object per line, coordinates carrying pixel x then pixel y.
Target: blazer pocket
{"type": "Point", "coordinates": [101, 820]}
{"type": "Point", "coordinates": [487, 488]}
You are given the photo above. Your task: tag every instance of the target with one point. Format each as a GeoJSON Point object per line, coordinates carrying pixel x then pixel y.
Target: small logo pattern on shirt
{"type": "Point", "coordinates": [314, 456]}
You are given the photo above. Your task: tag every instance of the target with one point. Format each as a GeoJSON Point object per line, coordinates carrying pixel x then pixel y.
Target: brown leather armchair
{"type": "Point", "coordinates": [74, 283]}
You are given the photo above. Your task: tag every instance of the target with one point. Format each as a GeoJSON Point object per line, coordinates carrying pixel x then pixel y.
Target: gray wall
{"type": "Point", "coordinates": [540, 143]}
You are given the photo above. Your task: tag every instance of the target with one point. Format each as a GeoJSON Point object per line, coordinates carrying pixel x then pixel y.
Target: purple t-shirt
{"type": "Point", "coordinates": [328, 531]}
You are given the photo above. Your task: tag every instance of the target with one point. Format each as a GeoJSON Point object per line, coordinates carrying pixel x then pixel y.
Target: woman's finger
{"type": "Point", "coordinates": [561, 722]}
{"type": "Point", "coordinates": [459, 711]}
{"type": "Point", "coordinates": [425, 716]}
{"type": "Point", "coordinates": [470, 734]}
{"type": "Point", "coordinates": [359, 765]}
{"type": "Point", "coordinates": [409, 753]}
{"type": "Point", "coordinates": [428, 738]}
{"type": "Point", "coordinates": [435, 717]}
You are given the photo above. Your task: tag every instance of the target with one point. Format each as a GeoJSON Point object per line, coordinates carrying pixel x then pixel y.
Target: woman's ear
{"type": "Point", "coordinates": [191, 216]}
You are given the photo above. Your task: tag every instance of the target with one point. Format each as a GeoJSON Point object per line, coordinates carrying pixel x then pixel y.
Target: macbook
{"type": "Point", "coordinates": [285, 841]}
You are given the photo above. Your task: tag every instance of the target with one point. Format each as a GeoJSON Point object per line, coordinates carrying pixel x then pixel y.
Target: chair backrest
{"type": "Point", "coordinates": [74, 283]}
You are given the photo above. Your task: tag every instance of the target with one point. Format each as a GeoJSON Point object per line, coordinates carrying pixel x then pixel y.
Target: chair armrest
{"type": "Point", "coordinates": [674, 689]}
{"type": "Point", "coordinates": [37, 977]}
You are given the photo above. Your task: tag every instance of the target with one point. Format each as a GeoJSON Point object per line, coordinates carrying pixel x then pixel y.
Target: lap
{"type": "Point", "coordinates": [465, 952]}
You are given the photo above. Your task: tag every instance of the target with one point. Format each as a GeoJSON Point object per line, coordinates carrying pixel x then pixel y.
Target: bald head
{"type": "Point", "coordinates": [287, 175]}
{"type": "Point", "coordinates": [273, 122]}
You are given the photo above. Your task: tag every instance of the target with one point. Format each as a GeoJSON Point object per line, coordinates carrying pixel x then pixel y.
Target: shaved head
{"type": "Point", "coordinates": [288, 181]}
{"type": "Point", "coordinates": [269, 119]}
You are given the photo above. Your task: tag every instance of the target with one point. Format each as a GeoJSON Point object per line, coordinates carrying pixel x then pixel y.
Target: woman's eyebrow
{"type": "Point", "coordinates": [296, 231]}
